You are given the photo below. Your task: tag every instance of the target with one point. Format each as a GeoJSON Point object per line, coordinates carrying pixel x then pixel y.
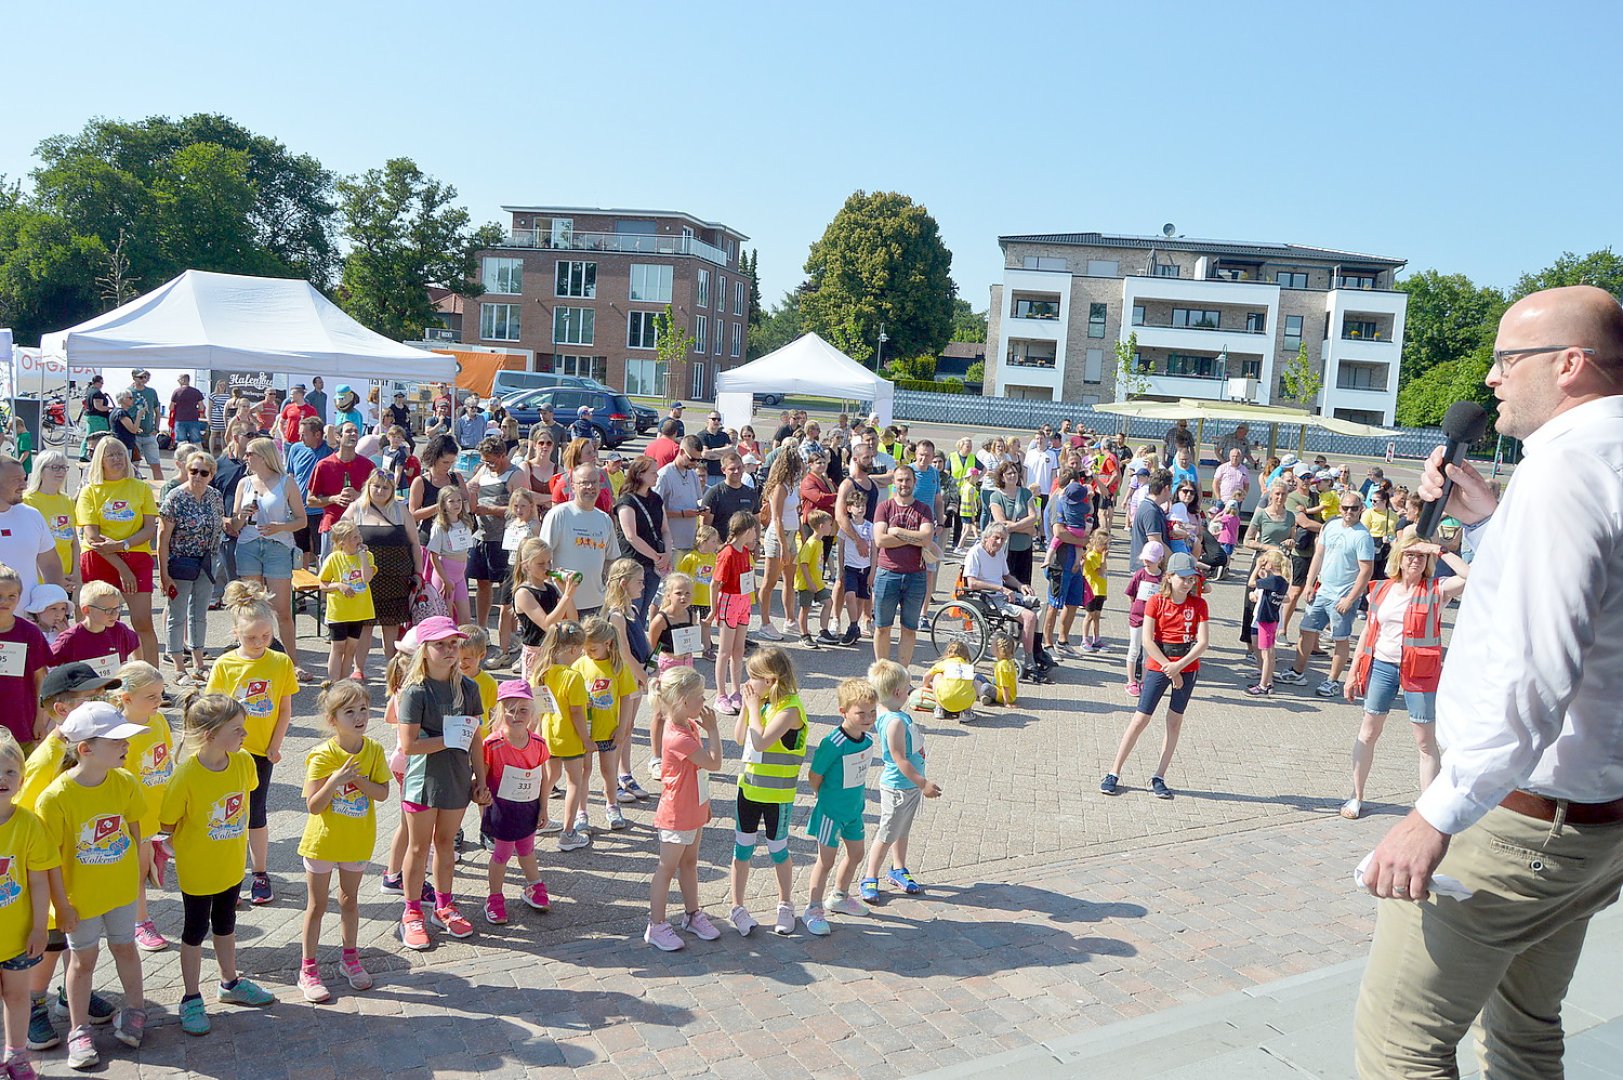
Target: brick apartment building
{"type": "Point", "coordinates": [1204, 311]}
{"type": "Point", "coordinates": [576, 290]}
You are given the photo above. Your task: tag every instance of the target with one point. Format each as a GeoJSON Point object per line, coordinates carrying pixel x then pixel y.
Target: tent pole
{"type": "Point", "coordinates": [1273, 437]}
{"type": "Point", "coordinates": [1200, 437]}
{"type": "Point", "coordinates": [1301, 441]}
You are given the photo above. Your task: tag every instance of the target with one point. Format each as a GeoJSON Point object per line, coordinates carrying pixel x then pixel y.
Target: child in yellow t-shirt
{"type": "Point", "coordinates": [470, 659]}
{"type": "Point", "coordinates": [700, 565]}
{"type": "Point", "coordinates": [151, 761]}
{"type": "Point", "coordinates": [610, 707]}
{"type": "Point", "coordinates": [344, 780]}
{"type": "Point", "coordinates": [205, 810]}
{"type": "Point", "coordinates": [560, 710]}
{"type": "Point", "coordinates": [810, 587]}
{"type": "Point", "coordinates": [951, 686]}
{"type": "Point", "coordinates": [346, 581]}
{"type": "Point", "coordinates": [32, 874]}
{"type": "Point", "coordinates": [1093, 571]}
{"type": "Point", "coordinates": [92, 814]}
{"type": "Point", "coordinates": [1005, 675]}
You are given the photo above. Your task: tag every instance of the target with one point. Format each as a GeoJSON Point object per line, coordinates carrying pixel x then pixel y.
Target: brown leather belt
{"type": "Point", "coordinates": [1537, 806]}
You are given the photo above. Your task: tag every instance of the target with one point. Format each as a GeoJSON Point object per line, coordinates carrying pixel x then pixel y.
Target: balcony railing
{"type": "Point", "coordinates": [1373, 388]}
{"type": "Point", "coordinates": [1017, 360]}
{"type": "Point", "coordinates": [1036, 309]}
{"type": "Point", "coordinates": [1202, 326]}
{"type": "Point", "coordinates": [617, 243]}
{"type": "Point", "coordinates": [1358, 335]}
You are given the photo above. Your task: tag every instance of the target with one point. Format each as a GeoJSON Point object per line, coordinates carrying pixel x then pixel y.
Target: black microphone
{"type": "Point", "coordinates": [1464, 423]}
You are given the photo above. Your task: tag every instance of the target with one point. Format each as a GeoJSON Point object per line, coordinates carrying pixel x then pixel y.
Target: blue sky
{"type": "Point", "coordinates": [1480, 138]}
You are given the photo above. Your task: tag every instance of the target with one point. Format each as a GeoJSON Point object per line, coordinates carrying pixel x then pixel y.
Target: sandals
{"type": "Point", "coordinates": [1351, 809]}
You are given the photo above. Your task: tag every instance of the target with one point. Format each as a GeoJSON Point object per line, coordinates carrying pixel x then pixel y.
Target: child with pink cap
{"type": "Point", "coordinates": [1145, 583]}
{"type": "Point", "coordinates": [515, 760]}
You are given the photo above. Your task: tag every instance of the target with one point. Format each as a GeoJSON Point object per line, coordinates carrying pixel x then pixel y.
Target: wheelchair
{"type": "Point", "coordinates": [970, 619]}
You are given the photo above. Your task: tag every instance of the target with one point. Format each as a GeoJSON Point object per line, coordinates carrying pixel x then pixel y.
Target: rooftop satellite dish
{"type": "Point", "coordinates": [1168, 229]}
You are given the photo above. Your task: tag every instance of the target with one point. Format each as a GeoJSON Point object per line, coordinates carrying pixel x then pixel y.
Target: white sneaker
{"type": "Point", "coordinates": [571, 841]}
{"type": "Point", "coordinates": [655, 772]}
{"type": "Point", "coordinates": [1328, 688]}
{"type": "Point", "coordinates": [786, 920]}
{"type": "Point", "coordinates": [583, 824]}
{"type": "Point", "coordinates": [849, 905]}
{"type": "Point", "coordinates": [617, 820]}
{"type": "Point", "coordinates": [742, 921]}
{"type": "Point", "coordinates": [769, 632]}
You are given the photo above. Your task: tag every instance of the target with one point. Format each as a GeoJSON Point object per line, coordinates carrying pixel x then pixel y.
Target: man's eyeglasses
{"type": "Point", "coordinates": [1505, 359]}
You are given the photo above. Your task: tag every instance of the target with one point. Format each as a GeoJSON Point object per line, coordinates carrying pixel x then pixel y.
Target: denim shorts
{"type": "Point", "coordinates": [264, 557]}
{"type": "Point", "coordinates": [1157, 683]}
{"type": "Point", "coordinates": [1383, 690]}
{"type": "Point", "coordinates": [1071, 588]}
{"type": "Point", "coordinates": [892, 590]}
{"type": "Point", "coordinates": [1322, 613]}
{"type": "Point", "coordinates": [191, 431]}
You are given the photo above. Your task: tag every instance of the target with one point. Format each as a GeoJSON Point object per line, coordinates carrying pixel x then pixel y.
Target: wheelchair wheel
{"type": "Point", "coordinates": [958, 621]}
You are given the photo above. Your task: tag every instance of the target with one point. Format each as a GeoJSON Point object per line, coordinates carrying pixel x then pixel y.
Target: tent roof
{"type": "Point", "coordinates": [1237, 411]}
{"type": "Point", "coordinates": [807, 365]}
{"type": "Point", "coordinates": [205, 320]}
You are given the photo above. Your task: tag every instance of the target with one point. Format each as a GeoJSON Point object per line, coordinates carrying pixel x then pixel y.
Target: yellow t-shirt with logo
{"type": "Point", "coordinates": [809, 567]}
{"type": "Point", "coordinates": [565, 689]}
{"type": "Point", "coordinates": [24, 847]}
{"type": "Point", "coordinates": [118, 507]}
{"type": "Point", "coordinates": [351, 571]}
{"type": "Point", "coordinates": [260, 685]}
{"type": "Point", "coordinates": [208, 812]}
{"type": "Point", "coordinates": [151, 760]}
{"type": "Point", "coordinates": [702, 569]}
{"type": "Point", "coordinates": [347, 831]}
{"type": "Point", "coordinates": [59, 518]}
{"type": "Point", "coordinates": [606, 686]}
{"type": "Point", "coordinates": [93, 830]}
{"type": "Point", "coordinates": [43, 766]}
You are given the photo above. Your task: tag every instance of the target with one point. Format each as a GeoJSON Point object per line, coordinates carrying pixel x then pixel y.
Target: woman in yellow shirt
{"type": "Point", "coordinates": [118, 521]}
{"type": "Point", "coordinates": [45, 493]}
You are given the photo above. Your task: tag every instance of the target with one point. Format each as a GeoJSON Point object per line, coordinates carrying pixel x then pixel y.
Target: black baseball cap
{"type": "Point", "coordinates": [75, 678]}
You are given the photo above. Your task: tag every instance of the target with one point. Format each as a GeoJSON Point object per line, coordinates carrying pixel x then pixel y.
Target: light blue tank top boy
{"type": "Point", "coordinates": [913, 740]}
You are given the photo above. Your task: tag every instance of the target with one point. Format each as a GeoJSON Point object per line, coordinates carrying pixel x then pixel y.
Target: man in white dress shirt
{"type": "Point", "coordinates": [1528, 809]}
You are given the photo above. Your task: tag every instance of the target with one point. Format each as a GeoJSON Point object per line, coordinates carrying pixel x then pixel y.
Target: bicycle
{"type": "Point", "coordinates": [58, 428]}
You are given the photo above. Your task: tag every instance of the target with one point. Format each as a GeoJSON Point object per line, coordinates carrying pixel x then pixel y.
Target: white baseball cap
{"type": "Point", "coordinates": [97, 720]}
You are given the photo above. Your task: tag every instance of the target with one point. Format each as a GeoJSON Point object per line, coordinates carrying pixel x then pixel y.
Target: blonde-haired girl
{"type": "Point", "coordinates": [684, 806]}
{"type": "Point", "coordinates": [1268, 588]}
{"type": "Point", "coordinates": [452, 536]}
{"type": "Point", "coordinates": [151, 760]}
{"type": "Point", "coordinates": [675, 635]}
{"type": "Point", "coordinates": [622, 599]}
{"type": "Point", "coordinates": [205, 811]}
{"type": "Point", "coordinates": [610, 706]}
{"type": "Point", "coordinates": [771, 730]}
{"type": "Point", "coordinates": [264, 681]}
{"type": "Point", "coordinates": [560, 707]}
{"type": "Point", "coordinates": [344, 780]}
{"type": "Point", "coordinates": [541, 600]}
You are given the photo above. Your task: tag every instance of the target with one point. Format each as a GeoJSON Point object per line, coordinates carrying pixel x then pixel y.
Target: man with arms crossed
{"type": "Point", "coordinates": [1528, 809]}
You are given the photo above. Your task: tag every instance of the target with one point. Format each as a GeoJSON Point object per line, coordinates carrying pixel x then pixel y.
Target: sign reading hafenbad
{"type": "Point", "coordinates": [256, 382]}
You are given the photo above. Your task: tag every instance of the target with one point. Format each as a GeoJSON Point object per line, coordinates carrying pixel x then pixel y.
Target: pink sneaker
{"type": "Point", "coordinates": [311, 986]}
{"type": "Point", "coordinates": [699, 925]}
{"type": "Point", "coordinates": [147, 938]}
{"type": "Point", "coordinates": [496, 909]}
{"type": "Point", "coordinates": [535, 894]}
{"type": "Point", "coordinates": [662, 937]}
{"type": "Point", "coordinates": [359, 978]}
{"type": "Point", "coordinates": [449, 919]}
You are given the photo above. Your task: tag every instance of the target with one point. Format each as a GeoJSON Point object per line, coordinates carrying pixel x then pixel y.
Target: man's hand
{"type": "Point", "coordinates": [1345, 604]}
{"type": "Point", "coordinates": [1471, 500]}
{"type": "Point", "coordinates": [1403, 862]}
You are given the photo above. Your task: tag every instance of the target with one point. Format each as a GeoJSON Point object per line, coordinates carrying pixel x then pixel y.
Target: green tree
{"type": "Point", "coordinates": [47, 271]}
{"type": "Point", "coordinates": [777, 327]}
{"type": "Point", "coordinates": [1131, 381]}
{"type": "Point", "coordinates": [201, 207]}
{"type": "Point", "coordinates": [672, 343]}
{"type": "Point", "coordinates": [1424, 401]}
{"type": "Point", "coordinates": [1301, 378]}
{"type": "Point", "coordinates": [917, 367]}
{"type": "Point", "coordinates": [1600, 268]}
{"type": "Point", "coordinates": [1448, 318]}
{"type": "Point", "coordinates": [967, 323]}
{"type": "Point", "coordinates": [976, 372]}
{"type": "Point", "coordinates": [406, 235]}
{"type": "Point", "coordinates": [753, 272]}
{"type": "Point", "coordinates": [880, 261]}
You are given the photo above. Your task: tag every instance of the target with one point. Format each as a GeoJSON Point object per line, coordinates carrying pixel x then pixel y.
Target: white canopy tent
{"type": "Point", "coordinates": [202, 321]}
{"type": "Point", "coordinates": [807, 365]}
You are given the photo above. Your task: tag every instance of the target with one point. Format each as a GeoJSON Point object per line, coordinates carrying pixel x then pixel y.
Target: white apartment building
{"type": "Point", "coordinates": [1204, 311]}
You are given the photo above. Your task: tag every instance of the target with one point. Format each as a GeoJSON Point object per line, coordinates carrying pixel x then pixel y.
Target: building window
{"type": "Point", "coordinates": [1359, 328]}
{"type": "Point", "coordinates": [703, 299]}
{"type": "Point", "coordinates": [1256, 322]}
{"type": "Point", "coordinates": [1197, 318]}
{"type": "Point", "coordinates": [1251, 368]}
{"type": "Point", "coordinates": [721, 332]}
{"type": "Point", "coordinates": [1094, 369]}
{"type": "Point", "coordinates": [1104, 268]}
{"type": "Point", "coordinates": [1166, 269]}
{"type": "Point", "coordinates": [1096, 320]}
{"type": "Point", "coordinates": [721, 292]}
{"type": "Point", "coordinates": [574, 326]}
{"type": "Point", "coordinates": [1039, 262]}
{"type": "Point", "coordinates": [651, 283]}
{"type": "Point", "coordinates": [498, 322]}
{"type": "Point", "coordinates": [586, 367]}
{"type": "Point", "coordinates": [729, 253]}
{"type": "Point", "coordinates": [697, 389]}
{"type": "Point", "coordinates": [1036, 309]}
{"type": "Point", "coordinates": [645, 378]}
{"type": "Point", "coordinates": [576, 279]}
{"type": "Point", "coordinates": [1290, 279]}
{"type": "Point", "coordinates": [1203, 367]}
{"type": "Point", "coordinates": [738, 298]}
{"type": "Point", "coordinates": [738, 338]}
{"type": "Point", "coordinates": [1355, 281]}
{"type": "Point", "coordinates": [504, 276]}
{"type": "Point", "coordinates": [1138, 314]}
{"type": "Point", "coordinates": [1293, 332]}
{"type": "Point", "coordinates": [642, 330]}
{"type": "Point", "coordinates": [1360, 377]}
{"type": "Point", "coordinates": [700, 337]}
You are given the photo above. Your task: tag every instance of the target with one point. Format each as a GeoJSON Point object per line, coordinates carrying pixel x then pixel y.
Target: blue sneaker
{"type": "Point", "coordinates": [42, 1034]}
{"type": "Point", "coordinates": [904, 880]}
{"type": "Point", "coordinates": [194, 1017]}
{"type": "Point", "coordinates": [816, 922]}
{"type": "Point", "coordinates": [868, 889]}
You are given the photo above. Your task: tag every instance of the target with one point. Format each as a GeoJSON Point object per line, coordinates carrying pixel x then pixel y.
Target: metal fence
{"type": "Point", "coordinates": [1012, 415]}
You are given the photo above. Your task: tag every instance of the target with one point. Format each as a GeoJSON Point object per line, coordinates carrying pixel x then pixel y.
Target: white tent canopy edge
{"type": "Point", "coordinates": [807, 365]}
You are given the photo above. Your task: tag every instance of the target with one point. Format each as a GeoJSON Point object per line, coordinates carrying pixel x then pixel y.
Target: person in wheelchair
{"type": "Point", "coordinates": [987, 578]}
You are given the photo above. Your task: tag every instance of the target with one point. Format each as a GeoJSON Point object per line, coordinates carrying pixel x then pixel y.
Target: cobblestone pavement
{"type": "Point", "coordinates": [1049, 909]}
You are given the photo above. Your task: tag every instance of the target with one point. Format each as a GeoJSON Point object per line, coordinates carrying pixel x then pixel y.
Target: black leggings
{"type": "Point", "coordinates": [218, 911]}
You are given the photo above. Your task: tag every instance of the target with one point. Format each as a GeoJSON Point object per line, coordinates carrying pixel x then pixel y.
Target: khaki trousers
{"type": "Point", "coordinates": [1507, 954]}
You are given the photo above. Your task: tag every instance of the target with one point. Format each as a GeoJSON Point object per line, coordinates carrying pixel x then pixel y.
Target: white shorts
{"type": "Point", "coordinates": [684, 837]}
{"type": "Point", "coordinates": [327, 866]}
{"type": "Point", "coordinates": [897, 808]}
